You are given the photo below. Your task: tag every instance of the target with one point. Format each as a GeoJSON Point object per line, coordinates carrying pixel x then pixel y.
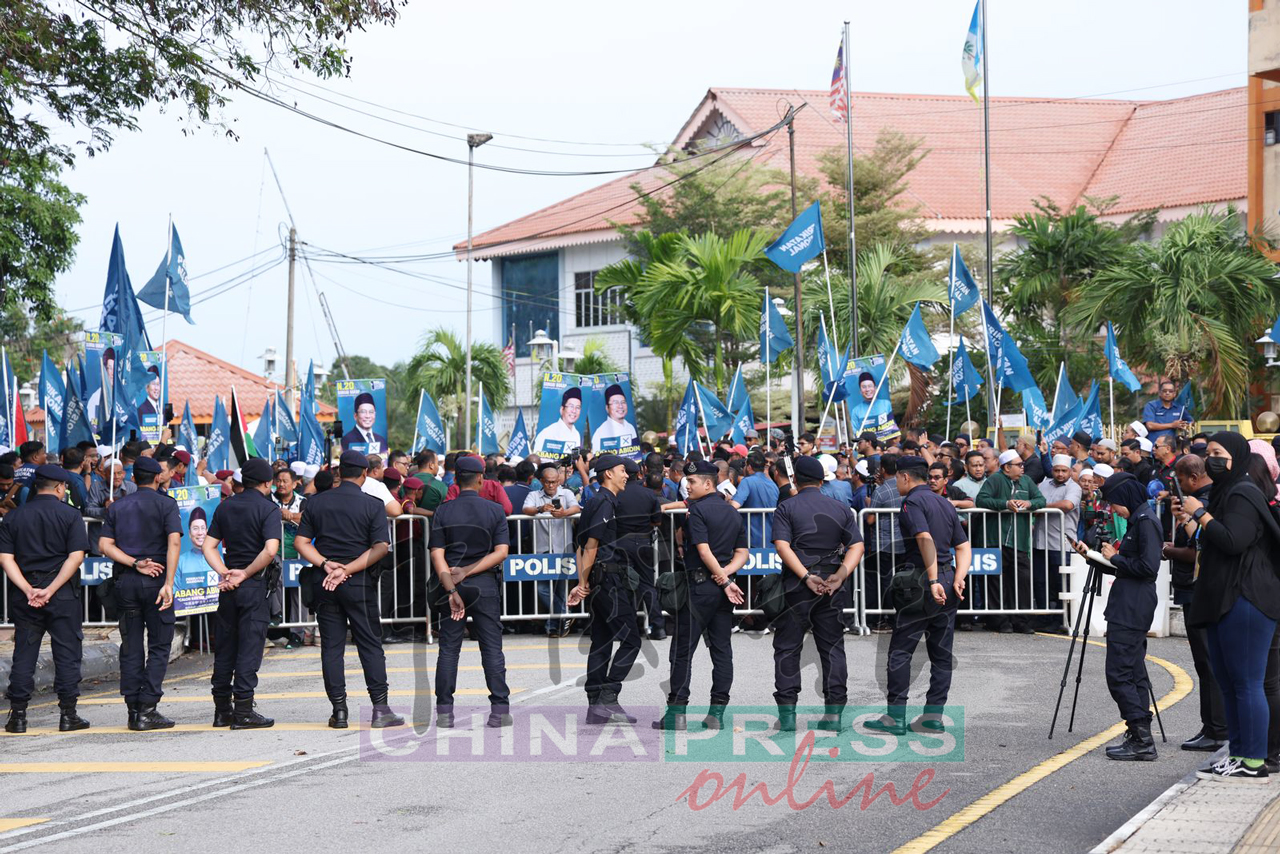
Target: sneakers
{"type": "Point", "coordinates": [1232, 770]}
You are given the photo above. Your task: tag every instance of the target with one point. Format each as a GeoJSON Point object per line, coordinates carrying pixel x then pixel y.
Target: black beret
{"type": "Point", "coordinates": [809, 468]}
{"type": "Point", "coordinates": [256, 470]}
{"type": "Point", "coordinates": [353, 458]}
{"type": "Point", "coordinates": [936, 439]}
{"type": "Point", "coordinates": [470, 465]}
{"type": "Point", "coordinates": [1082, 438]}
{"type": "Point", "coordinates": [362, 398]}
{"type": "Point", "coordinates": [917, 464]}
{"type": "Point", "coordinates": [611, 391]}
{"type": "Point", "coordinates": [604, 462]}
{"type": "Point", "coordinates": [49, 471]}
{"type": "Point", "coordinates": [702, 467]}
{"type": "Point", "coordinates": [146, 465]}
{"type": "Point", "coordinates": [571, 393]}
{"type": "Point", "coordinates": [631, 466]}
{"type": "Point", "coordinates": [964, 436]}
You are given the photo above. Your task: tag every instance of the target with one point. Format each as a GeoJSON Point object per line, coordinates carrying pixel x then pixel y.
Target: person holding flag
{"type": "Point", "coordinates": [916, 347]}
{"type": "Point", "coordinates": [1164, 416]}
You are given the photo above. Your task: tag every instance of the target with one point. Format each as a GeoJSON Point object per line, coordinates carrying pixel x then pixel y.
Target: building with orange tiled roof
{"type": "Point", "coordinates": [1174, 156]}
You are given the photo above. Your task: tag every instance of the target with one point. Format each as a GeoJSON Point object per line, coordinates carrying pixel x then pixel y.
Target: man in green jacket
{"type": "Point", "coordinates": [1015, 496]}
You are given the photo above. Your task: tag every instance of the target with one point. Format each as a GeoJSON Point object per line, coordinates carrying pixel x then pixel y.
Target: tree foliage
{"type": "Point", "coordinates": [38, 219]}
{"type": "Point", "coordinates": [27, 338]}
{"type": "Point", "coordinates": [440, 366]}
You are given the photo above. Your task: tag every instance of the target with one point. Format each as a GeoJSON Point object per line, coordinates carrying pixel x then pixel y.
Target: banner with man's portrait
{"type": "Point", "coordinates": [195, 585]}
{"type": "Point", "coordinates": [611, 415]}
{"type": "Point", "coordinates": [560, 420]}
{"type": "Point", "coordinates": [362, 409]}
{"type": "Point", "coordinates": [151, 402]}
{"type": "Point", "coordinates": [99, 372]}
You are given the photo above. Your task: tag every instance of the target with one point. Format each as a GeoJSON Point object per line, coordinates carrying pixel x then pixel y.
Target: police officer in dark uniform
{"type": "Point", "coordinates": [1131, 605]}
{"type": "Point", "coordinates": [639, 512]}
{"type": "Point", "coordinates": [602, 575]}
{"type": "Point", "coordinates": [42, 544]}
{"type": "Point", "coordinates": [249, 526]}
{"type": "Point", "coordinates": [469, 541]}
{"type": "Point", "coordinates": [715, 547]}
{"type": "Point", "coordinates": [810, 530]}
{"type": "Point", "coordinates": [343, 534]}
{"type": "Point", "coordinates": [930, 530]}
{"type": "Point", "coordinates": [142, 533]}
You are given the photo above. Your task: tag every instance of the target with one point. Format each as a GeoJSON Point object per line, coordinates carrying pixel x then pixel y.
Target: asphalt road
{"type": "Point", "coordinates": [302, 784]}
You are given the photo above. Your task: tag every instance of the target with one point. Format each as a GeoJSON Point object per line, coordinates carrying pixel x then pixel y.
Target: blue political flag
{"type": "Point", "coordinates": [1033, 406]}
{"type": "Point", "coordinates": [171, 277]}
{"type": "Point", "coordinates": [1118, 367]}
{"type": "Point", "coordinates": [74, 421]}
{"type": "Point", "coordinates": [801, 242]}
{"type": "Point", "coordinates": [1186, 400]}
{"type": "Point", "coordinates": [743, 421]}
{"type": "Point", "coordinates": [716, 416]}
{"type": "Point", "coordinates": [52, 392]}
{"type": "Point", "coordinates": [429, 428]}
{"type": "Point", "coordinates": [120, 311]}
{"type": "Point", "coordinates": [1065, 397]}
{"type": "Point", "coordinates": [685, 430]}
{"type": "Point", "coordinates": [217, 447]}
{"type": "Point", "coordinates": [518, 444]}
{"type": "Point", "coordinates": [84, 377]}
{"type": "Point", "coordinates": [188, 439]}
{"type": "Point", "coordinates": [737, 390]}
{"type": "Point", "coordinates": [1011, 366]}
{"type": "Point", "coordinates": [1090, 420]}
{"type": "Point", "coordinates": [774, 337]}
{"type": "Point", "coordinates": [311, 445]}
{"type": "Point", "coordinates": [486, 428]}
{"type": "Point", "coordinates": [127, 388]}
{"type": "Point", "coordinates": [832, 367]}
{"type": "Point", "coordinates": [286, 427]}
{"type": "Point", "coordinates": [962, 290]}
{"type": "Point", "coordinates": [264, 435]}
{"type": "Point", "coordinates": [965, 379]}
{"type": "Point", "coordinates": [6, 408]}
{"type": "Point", "coordinates": [914, 344]}
{"type": "Point", "coordinates": [1065, 423]}
{"type": "Point", "coordinates": [309, 388]}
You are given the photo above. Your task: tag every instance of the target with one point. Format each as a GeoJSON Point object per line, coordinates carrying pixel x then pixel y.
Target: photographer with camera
{"type": "Point", "coordinates": [1131, 605]}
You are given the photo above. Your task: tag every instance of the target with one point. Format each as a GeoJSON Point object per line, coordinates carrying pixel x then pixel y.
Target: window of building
{"type": "Point", "coordinates": [530, 297]}
{"type": "Point", "coordinates": [591, 308]}
{"type": "Point", "coordinates": [1272, 126]}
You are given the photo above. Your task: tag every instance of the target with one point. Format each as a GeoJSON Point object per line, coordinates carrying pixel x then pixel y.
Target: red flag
{"type": "Point", "coordinates": [509, 356]}
{"type": "Point", "coordinates": [839, 86]}
{"type": "Point", "coordinates": [19, 422]}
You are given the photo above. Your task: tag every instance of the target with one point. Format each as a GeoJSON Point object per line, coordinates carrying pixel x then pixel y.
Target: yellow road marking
{"type": "Point", "coordinates": [291, 726]}
{"type": "Point", "coordinates": [289, 695]}
{"type": "Point", "coordinates": [7, 824]}
{"type": "Point", "coordinates": [433, 649]}
{"type": "Point", "coordinates": [1001, 795]}
{"type": "Point", "coordinates": [282, 674]}
{"type": "Point", "coordinates": [126, 767]}
{"type": "Point", "coordinates": [89, 697]}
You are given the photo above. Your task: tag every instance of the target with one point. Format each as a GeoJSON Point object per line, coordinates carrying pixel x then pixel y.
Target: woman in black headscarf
{"type": "Point", "coordinates": [1237, 599]}
{"type": "Point", "coordinates": [1131, 605]}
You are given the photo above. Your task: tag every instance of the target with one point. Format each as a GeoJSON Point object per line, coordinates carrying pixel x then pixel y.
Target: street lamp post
{"type": "Point", "coordinates": [474, 141]}
{"type": "Point", "coordinates": [539, 353]}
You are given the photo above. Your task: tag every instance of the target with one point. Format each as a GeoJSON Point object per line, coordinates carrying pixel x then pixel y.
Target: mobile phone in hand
{"type": "Point", "coordinates": [555, 502]}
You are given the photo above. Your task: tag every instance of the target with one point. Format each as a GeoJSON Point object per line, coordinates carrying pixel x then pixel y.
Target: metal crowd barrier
{"type": "Point", "coordinates": [541, 569]}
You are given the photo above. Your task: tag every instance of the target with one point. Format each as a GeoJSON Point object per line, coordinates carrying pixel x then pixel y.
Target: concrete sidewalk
{"type": "Point", "coordinates": [1203, 817]}
{"type": "Point", "coordinates": [100, 661]}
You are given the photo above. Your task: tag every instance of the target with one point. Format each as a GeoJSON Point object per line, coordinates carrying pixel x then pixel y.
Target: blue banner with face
{"type": "Point", "coordinates": [611, 415]}
{"type": "Point", "coordinates": [560, 420]}
{"type": "Point", "coordinates": [195, 586]}
{"type": "Point", "coordinates": [362, 409]}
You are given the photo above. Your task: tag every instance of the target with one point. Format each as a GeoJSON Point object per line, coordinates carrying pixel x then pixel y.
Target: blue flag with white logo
{"type": "Point", "coordinates": [187, 438]}
{"type": "Point", "coordinates": [430, 429]}
{"type": "Point", "coordinates": [170, 276]}
{"type": "Point", "coordinates": [915, 345]}
{"type": "Point", "coordinates": [1090, 420]}
{"type": "Point", "coordinates": [801, 242]}
{"type": "Point", "coordinates": [1186, 400]}
{"type": "Point", "coordinates": [264, 435]}
{"type": "Point", "coordinates": [486, 428]}
{"type": "Point", "coordinates": [685, 430]}
{"type": "Point", "coordinates": [774, 337]}
{"type": "Point", "coordinates": [217, 447]}
{"type": "Point", "coordinates": [73, 425]}
{"type": "Point", "coordinates": [1119, 368]}
{"type": "Point", "coordinates": [286, 427]}
{"type": "Point", "coordinates": [1033, 406]}
{"type": "Point", "coordinates": [737, 390]}
{"type": "Point", "coordinates": [6, 408]}
{"type": "Point", "coordinates": [1065, 424]}
{"type": "Point", "coordinates": [1011, 366]}
{"type": "Point", "coordinates": [84, 378]}
{"type": "Point", "coordinates": [832, 367]}
{"type": "Point", "coordinates": [52, 392]}
{"type": "Point", "coordinates": [965, 379]}
{"type": "Point", "coordinates": [742, 422]}
{"type": "Point", "coordinates": [120, 311]}
{"type": "Point", "coordinates": [518, 444]}
{"type": "Point", "coordinates": [1066, 396]}
{"type": "Point", "coordinates": [718, 418]}
{"type": "Point", "coordinates": [961, 288]}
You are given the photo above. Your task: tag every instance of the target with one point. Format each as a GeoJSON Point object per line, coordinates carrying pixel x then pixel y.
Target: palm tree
{"type": "Point", "coordinates": [1190, 304]}
{"type": "Point", "coordinates": [440, 366]}
{"type": "Point", "coordinates": [595, 359]}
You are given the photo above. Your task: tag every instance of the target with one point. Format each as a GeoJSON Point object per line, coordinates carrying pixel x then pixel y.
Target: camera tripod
{"type": "Point", "coordinates": [1092, 587]}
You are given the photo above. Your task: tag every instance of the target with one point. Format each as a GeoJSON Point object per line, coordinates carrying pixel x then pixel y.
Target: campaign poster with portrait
{"type": "Point", "coordinates": [151, 402]}
{"type": "Point", "coordinates": [195, 585]}
{"type": "Point", "coordinates": [362, 409]}
{"type": "Point", "coordinates": [560, 420]}
{"type": "Point", "coordinates": [100, 372]}
{"type": "Point", "coordinates": [862, 379]}
{"type": "Point", "coordinates": [611, 415]}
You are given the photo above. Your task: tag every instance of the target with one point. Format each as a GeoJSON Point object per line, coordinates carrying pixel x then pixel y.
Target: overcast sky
{"type": "Point", "coordinates": [570, 71]}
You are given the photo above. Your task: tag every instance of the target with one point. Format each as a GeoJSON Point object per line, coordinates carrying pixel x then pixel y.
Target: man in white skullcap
{"type": "Point", "coordinates": [1136, 430]}
{"type": "Point", "coordinates": [1015, 496]}
{"type": "Point", "coordinates": [1050, 545]}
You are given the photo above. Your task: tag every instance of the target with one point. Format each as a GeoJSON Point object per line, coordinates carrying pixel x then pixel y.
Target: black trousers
{"type": "Point", "coordinates": [61, 619]}
{"type": "Point", "coordinates": [239, 634]}
{"type": "Point", "coordinates": [1271, 685]}
{"type": "Point", "coordinates": [404, 588]}
{"type": "Point", "coordinates": [482, 596]}
{"type": "Point", "coordinates": [1015, 588]}
{"type": "Point", "coordinates": [353, 605]}
{"type": "Point", "coordinates": [146, 636]}
{"type": "Point", "coordinates": [805, 609]}
{"type": "Point", "coordinates": [613, 620]}
{"type": "Point", "coordinates": [1127, 673]}
{"type": "Point", "coordinates": [708, 615]}
{"type": "Point", "coordinates": [1046, 583]}
{"type": "Point", "coordinates": [642, 558]}
{"type": "Point", "coordinates": [938, 631]}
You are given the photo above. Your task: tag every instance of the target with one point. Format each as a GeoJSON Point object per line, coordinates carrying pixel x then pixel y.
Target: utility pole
{"type": "Point", "coordinates": [289, 374]}
{"type": "Point", "coordinates": [474, 141]}
{"type": "Point", "coordinates": [797, 405]}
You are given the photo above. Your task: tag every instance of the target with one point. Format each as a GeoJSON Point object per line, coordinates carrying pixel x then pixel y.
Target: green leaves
{"type": "Point", "coordinates": [440, 366]}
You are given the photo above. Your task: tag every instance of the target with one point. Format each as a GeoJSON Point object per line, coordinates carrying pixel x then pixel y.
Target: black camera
{"type": "Point", "coordinates": [1095, 534]}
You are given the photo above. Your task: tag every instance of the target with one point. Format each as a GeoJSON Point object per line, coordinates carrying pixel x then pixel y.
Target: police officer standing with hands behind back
{"type": "Point", "coordinates": [249, 524]}
{"type": "Point", "coordinates": [343, 534]}
{"type": "Point", "coordinates": [809, 532]}
{"type": "Point", "coordinates": [42, 544]}
{"type": "Point", "coordinates": [469, 542]}
{"type": "Point", "coordinates": [143, 535]}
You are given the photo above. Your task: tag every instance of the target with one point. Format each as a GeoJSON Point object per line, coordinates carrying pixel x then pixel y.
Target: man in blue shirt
{"type": "Point", "coordinates": [831, 487]}
{"type": "Point", "coordinates": [1162, 417]}
{"type": "Point", "coordinates": [755, 492]}
{"type": "Point", "coordinates": [858, 479]}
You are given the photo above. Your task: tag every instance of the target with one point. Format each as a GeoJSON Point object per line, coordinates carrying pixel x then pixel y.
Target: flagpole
{"type": "Point", "coordinates": [768, 362]}
{"type": "Point", "coordinates": [853, 241]}
{"type": "Point", "coordinates": [697, 396]}
{"type": "Point", "coordinates": [164, 333]}
{"type": "Point", "coordinates": [876, 396]}
{"type": "Point", "coordinates": [951, 337]}
{"type": "Point", "coordinates": [111, 486]}
{"type": "Point", "coordinates": [835, 384]}
{"type": "Point", "coordinates": [1111, 393]}
{"type": "Point", "coordinates": [993, 399]}
{"type": "Point", "coordinates": [1056, 389]}
{"type": "Point", "coordinates": [986, 159]}
{"type": "Point", "coordinates": [417, 420]}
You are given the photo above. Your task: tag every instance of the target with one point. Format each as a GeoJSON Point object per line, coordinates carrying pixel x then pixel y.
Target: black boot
{"type": "Point", "coordinates": [133, 714]}
{"type": "Point", "coordinates": [607, 710]}
{"type": "Point", "coordinates": [893, 723]}
{"type": "Point", "coordinates": [786, 718]}
{"type": "Point", "coordinates": [383, 717]}
{"type": "Point", "coordinates": [1138, 745]}
{"type": "Point", "coordinates": [444, 717]}
{"type": "Point", "coordinates": [595, 714]}
{"type": "Point", "coordinates": [338, 720]}
{"type": "Point", "coordinates": [672, 720]}
{"type": "Point", "coordinates": [222, 711]}
{"type": "Point", "coordinates": [17, 722]}
{"type": "Point", "coordinates": [715, 717]}
{"type": "Point", "coordinates": [246, 718]}
{"type": "Point", "coordinates": [499, 717]}
{"type": "Point", "coordinates": [832, 719]}
{"type": "Point", "coordinates": [148, 719]}
{"type": "Point", "coordinates": [68, 720]}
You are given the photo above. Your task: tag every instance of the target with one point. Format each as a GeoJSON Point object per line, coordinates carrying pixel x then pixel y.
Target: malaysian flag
{"type": "Point", "coordinates": [839, 86]}
{"type": "Point", "coordinates": [509, 355]}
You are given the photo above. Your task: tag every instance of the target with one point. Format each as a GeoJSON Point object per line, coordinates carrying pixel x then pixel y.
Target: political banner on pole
{"type": "Point", "coordinates": [559, 415]}
{"type": "Point", "coordinates": [99, 375]}
{"type": "Point", "coordinates": [151, 404]}
{"type": "Point", "coordinates": [862, 378]}
{"type": "Point", "coordinates": [611, 415]}
{"type": "Point", "coordinates": [195, 585]}
{"type": "Point", "coordinates": [363, 405]}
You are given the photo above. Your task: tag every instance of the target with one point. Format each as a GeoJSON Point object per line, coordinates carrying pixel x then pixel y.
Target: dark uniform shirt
{"type": "Point", "coordinates": [40, 534]}
{"type": "Point", "coordinates": [814, 525]}
{"type": "Point", "coordinates": [599, 522]}
{"type": "Point", "coordinates": [343, 523]}
{"type": "Point", "coordinates": [141, 523]}
{"type": "Point", "coordinates": [1183, 573]}
{"type": "Point", "coordinates": [1132, 600]}
{"type": "Point", "coordinates": [714, 521]}
{"type": "Point", "coordinates": [924, 511]}
{"type": "Point", "coordinates": [244, 523]}
{"type": "Point", "coordinates": [468, 528]}
{"type": "Point", "coordinates": [638, 509]}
